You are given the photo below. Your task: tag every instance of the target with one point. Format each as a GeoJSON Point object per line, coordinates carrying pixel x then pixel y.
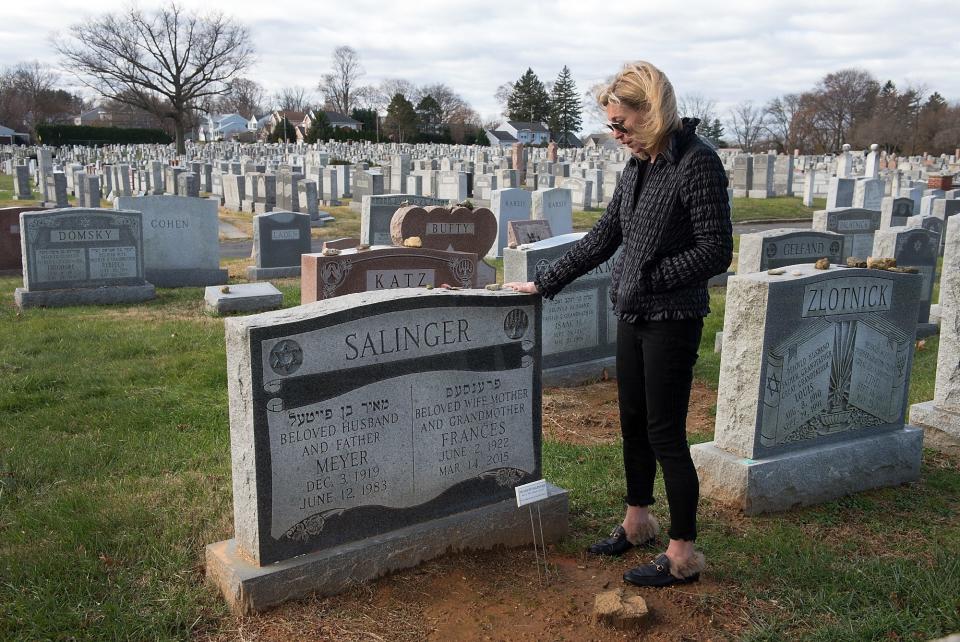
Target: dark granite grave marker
{"type": "Point", "coordinates": [784, 246]}
{"type": "Point", "coordinates": [373, 431]}
{"type": "Point", "coordinates": [76, 256]}
{"type": "Point", "coordinates": [11, 255]}
{"type": "Point", "coordinates": [523, 232]}
{"type": "Point", "coordinates": [279, 239]}
{"type": "Point", "coordinates": [814, 380]}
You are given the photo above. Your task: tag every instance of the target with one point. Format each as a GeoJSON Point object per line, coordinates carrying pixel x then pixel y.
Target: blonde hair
{"type": "Point", "coordinates": [646, 89]}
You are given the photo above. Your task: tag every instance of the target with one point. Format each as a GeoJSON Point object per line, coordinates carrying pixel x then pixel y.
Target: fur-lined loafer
{"type": "Point", "coordinates": [659, 572]}
{"type": "Point", "coordinates": [617, 543]}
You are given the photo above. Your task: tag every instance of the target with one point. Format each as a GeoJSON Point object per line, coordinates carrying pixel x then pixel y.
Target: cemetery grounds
{"type": "Point", "coordinates": [115, 473]}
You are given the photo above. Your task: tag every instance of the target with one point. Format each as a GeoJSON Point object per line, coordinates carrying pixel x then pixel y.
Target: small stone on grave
{"type": "Point", "coordinates": [413, 241]}
{"type": "Point", "coordinates": [856, 262]}
{"type": "Point", "coordinates": [880, 263]}
{"type": "Point", "coordinates": [822, 264]}
{"type": "Point", "coordinates": [612, 609]}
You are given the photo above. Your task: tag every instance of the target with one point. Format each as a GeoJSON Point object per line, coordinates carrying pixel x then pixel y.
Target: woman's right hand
{"type": "Point", "coordinates": [528, 287]}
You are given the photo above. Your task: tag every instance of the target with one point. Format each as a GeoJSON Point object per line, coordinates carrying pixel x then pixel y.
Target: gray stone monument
{"type": "Point", "coordinates": [784, 246]}
{"type": "Point", "coordinates": [555, 206]}
{"type": "Point", "coordinates": [814, 380]}
{"type": "Point", "coordinates": [579, 326]}
{"type": "Point", "coordinates": [940, 417]}
{"type": "Point", "coordinates": [856, 225]}
{"type": "Point", "coordinates": [181, 244]}
{"type": "Point", "coordinates": [373, 431]}
{"type": "Point", "coordinates": [81, 256]}
{"type": "Point", "coordinates": [512, 204]}
{"type": "Point", "coordinates": [279, 239]}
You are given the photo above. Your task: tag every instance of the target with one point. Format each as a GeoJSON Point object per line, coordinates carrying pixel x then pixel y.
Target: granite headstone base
{"type": "Point", "coordinates": [811, 476]}
{"type": "Point", "coordinates": [576, 374]}
{"type": "Point", "coordinates": [927, 329]}
{"type": "Point", "coordinates": [185, 277]}
{"type": "Point", "coordinates": [250, 589]}
{"type": "Point", "coordinates": [84, 296]}
{"type": "Point", "coordinates": [243, 297]}
{"type": "Point", "coordinates": [255, 273]}
{"type": "Point", "coordinates": [929, 417]}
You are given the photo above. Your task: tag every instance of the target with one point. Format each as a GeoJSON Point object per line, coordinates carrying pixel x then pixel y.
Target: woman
{"type": "Point", "coordinates": [670, 215]}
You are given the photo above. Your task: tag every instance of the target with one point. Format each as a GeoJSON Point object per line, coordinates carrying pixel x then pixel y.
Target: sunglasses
{"type": "Point", "coordinates": [617, 127]}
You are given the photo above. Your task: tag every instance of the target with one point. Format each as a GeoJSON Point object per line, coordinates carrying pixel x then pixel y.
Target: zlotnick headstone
{"type": "Point", "coordinates": [814, 380]}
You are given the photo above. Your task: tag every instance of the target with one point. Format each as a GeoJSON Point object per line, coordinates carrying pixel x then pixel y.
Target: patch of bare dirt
{"type": "Point", "coordinates": [589, 415]}
{"type": "Point", "coordinates": [497, 595]}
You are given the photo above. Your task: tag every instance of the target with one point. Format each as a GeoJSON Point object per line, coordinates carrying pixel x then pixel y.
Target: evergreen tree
{"type": "Point", "coordinates": [401, 122]}
{"type": "Point", "coordinates": [565, 108]}
{"type": "Point", "coordinates": [529, 101]}
{"type": "Point", "coordinates": [712, 132]}
{"type": "Point", "coordinates": [366, 116]}
{"type": "Point", "coordinates": [429, 115]}
{"type": "Point", "coordinates": [284, 131]}
{"type": "Point", "coordinates": [320, 129]}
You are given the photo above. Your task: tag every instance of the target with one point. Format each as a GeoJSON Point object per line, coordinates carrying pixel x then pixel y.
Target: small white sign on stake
{"type": "Point", "coordinates": [531, 493]}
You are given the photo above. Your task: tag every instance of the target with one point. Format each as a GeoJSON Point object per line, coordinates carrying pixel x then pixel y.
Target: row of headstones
{"type": "Point", "coordinates": [811, 405]}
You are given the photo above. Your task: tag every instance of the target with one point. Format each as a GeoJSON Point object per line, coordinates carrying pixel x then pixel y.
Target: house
{"type": "Point", "coordinates": [336, 120]}
{"type": "Point", "coordinates": [599, 141]}
{"type": "Point", "coordinates": [527, 133]}
{"type": "Point", "coordinates": [569, 139]}
{"type": "Point", "coordinates": [222, 127]}
{"type": "Point", "coordinates": [10, 137]}
{"type": "Point", "coordinates": [117, 115]}
{"type": "Point", "coordinates": [499, 138]}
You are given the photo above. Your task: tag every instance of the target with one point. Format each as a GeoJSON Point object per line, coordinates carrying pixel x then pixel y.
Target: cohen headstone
{"type": "Point", "coordinates": [181, 244]}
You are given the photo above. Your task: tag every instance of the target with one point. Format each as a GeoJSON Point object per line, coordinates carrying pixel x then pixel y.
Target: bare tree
{"type": "Point", "coordinates": [453, 108]}
{"type": "Point", "coordinates": [340, 85]}
{"type": "Point", "coordinates": [843, 98]}
{"type": "Point", "coordinates": [28, 97]}
{"type": "Point", "coordinates": [697, 106]}
{"type": "Point", "coordinates": [164, 62]}
{"type": "Point", "coordinates": [747, 123]}
{"type": "Point", "coordinates": [244, 96]}
{"type": "Point", "coordinates": [781, 121]}
{"type": "Point", "coordinates": [502, 96]}
{"type": "Point", "coordinates": [591, 108]}
{"type": "Point", "coordinates": [293, 99]}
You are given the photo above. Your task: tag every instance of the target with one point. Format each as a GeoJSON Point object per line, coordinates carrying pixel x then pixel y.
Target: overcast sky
{"type": "Point", "coordinates": [727, 51]}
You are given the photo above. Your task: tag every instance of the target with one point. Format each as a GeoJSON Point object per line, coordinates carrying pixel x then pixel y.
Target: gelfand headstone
{"type": "Point", "coordinates": [814, 379]}
{"type": "Point", "coordinates": [940, 417]}
{"type": "Point", "coordinates": [373, 431]}
{"type": "Point", "coordinates": [785, 246]}
{"type": "Point", "coordinates": [181, 244]}
{"type": "Point", "coordinates": [579, 326]}
{"type": "Point", "coordinates": [82, 256]}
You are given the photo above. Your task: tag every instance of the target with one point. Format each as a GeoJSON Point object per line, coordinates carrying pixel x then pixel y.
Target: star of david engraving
{"type": "Point", "coordinates": [286, 357]}
{"type": "Point", "coordinates": [773, 384]}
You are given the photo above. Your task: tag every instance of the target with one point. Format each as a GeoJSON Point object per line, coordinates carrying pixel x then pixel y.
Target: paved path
{"type": "Point", "coordinates": [231, 232]}
{"type": "Point", "coordinates": [746, 228]}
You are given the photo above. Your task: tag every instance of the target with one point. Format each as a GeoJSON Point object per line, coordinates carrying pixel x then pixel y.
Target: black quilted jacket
{"type": "Point", "coordinates": [676, 237]}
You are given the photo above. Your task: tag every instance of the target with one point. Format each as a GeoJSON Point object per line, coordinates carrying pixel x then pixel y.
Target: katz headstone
{"type": "Point", "coordinates": [814, 380]}
{"type": "Point", "coordinates": [384, 268]}
{"type": "Point", "coordinates": [373, 431]}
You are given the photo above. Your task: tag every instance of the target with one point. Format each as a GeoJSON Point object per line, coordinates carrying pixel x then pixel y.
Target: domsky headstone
{"type": "Point", "coordinates": [373, 431]}
{"type": "Point", "coordinates": [81, 256]}
{"type": "Point", "coordinates": [814, 379]}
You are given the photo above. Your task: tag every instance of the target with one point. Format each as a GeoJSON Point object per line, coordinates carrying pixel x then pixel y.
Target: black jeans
{"type": "Point", "coordinates": [654, 374]}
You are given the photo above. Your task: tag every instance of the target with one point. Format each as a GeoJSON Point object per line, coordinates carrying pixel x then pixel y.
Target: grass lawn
{"type": "Point", "coordinates": [115, 471]}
